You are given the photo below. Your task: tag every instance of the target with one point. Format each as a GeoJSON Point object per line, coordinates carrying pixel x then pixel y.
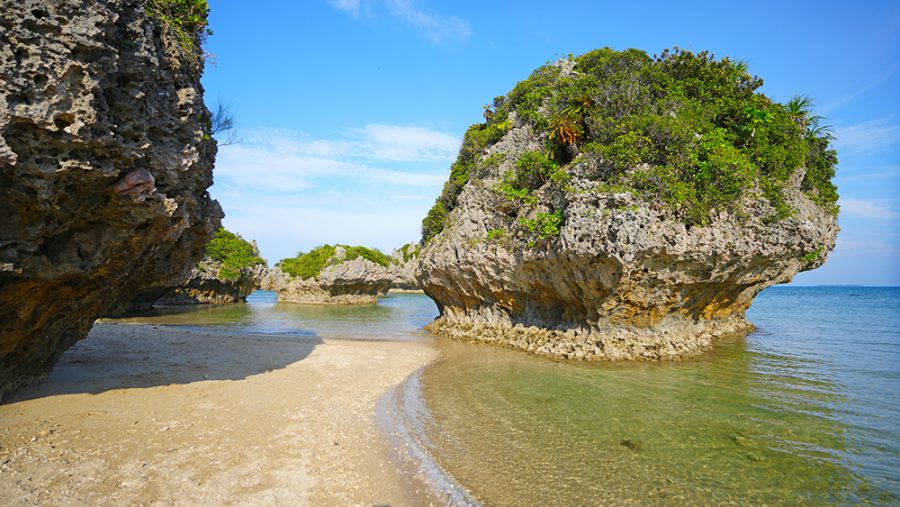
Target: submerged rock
{"type": "Point", "coordinates": [105, 158]}
{"type": "Point", "coordinates": [600, 215]}
{"type": "Point", "coordinates": [332, 275]}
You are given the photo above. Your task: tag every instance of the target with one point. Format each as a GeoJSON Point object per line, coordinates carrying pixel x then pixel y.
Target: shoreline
{"type": "Point", "coordinates": [144, 414]}
{"type": "Point", "coordinates": [402, 416]}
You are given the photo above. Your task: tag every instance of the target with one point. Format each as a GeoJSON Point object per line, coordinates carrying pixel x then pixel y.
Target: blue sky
{"type": "Point", "coordinates": [350, 112]}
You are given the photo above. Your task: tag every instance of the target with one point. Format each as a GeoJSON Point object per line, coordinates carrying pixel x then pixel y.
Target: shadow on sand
{"type": "Point", "coordinates": [120, 356]}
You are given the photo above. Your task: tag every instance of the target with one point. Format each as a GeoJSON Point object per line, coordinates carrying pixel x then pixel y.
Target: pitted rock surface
{"type": "Point", "coordinates": [624, 279]}
{"type": "Point", "coordinates": [105, 161]}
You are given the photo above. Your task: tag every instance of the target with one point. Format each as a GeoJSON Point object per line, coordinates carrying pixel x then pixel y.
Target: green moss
{"type": "Point", "coordinates": [495, 234]}
{"type": "Point", "coordinates": [310, 264]}
{"type": "Point", "coordinates": [687, 130]}
{"type": "Point", "coordinates": [233, 252]}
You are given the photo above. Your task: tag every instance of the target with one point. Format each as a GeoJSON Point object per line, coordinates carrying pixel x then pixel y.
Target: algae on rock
{"type": "Point", "coordinates": [617, 205]}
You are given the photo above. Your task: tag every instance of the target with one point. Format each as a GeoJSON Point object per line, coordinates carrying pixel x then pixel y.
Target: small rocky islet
{"type": "Point", "coordinates": [611, 206]}
{"type": "Point", "coordinates": [616, 205]}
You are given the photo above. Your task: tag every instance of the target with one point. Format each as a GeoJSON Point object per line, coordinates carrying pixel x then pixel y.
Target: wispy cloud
{"type": "Point", "coordinates": [435, 28]}
{"type": "Point", "coordinates": [863, 174]}
{"type": "Point", "coordinates": [869, 209]}
{"type": "Point", "coordinates": [369, 185]}
{"type": "Point", "coordinates": [281, 161]}
{"type": "Point", "coordinates": [859, 92]}
{"type": "Point", "coordinates": [351, 6]}
{"type": "Point", "coordinates": [866, 137]}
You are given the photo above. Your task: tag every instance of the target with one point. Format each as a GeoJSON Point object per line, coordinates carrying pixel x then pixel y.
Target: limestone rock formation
{"type": "Point", "coordinates": [342, 279]}
{"type": "Point", "coordinates": [231, 269]}
{"type": "Point", "coordinates": [207, 285]}
{"type": "Point", "coordinates": [562, 232]}
{"type": "Point", "coordinates": [404, 262]}
{"type": "Point", "coordinates": [105, 158]}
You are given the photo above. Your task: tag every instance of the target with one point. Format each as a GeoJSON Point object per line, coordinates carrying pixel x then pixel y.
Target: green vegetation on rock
{"type": "Point", "coordinates": [409, 251]}
{"type": "Point", "coordinates": [685, 130]}
{"type": "Point", "coordinates": [310, 264]}
{"type": "Point", "coordinates": [545, 225]}
{"type": "Point", "coordinates": [187, 19]}
{"type": "Point", "coordinates": [477, 138]}
{"type": "Point", "coordinates": [233, 252]}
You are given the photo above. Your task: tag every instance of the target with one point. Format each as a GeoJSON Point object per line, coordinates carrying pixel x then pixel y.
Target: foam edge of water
{"type": "Point", "coordinates": [402, 417]}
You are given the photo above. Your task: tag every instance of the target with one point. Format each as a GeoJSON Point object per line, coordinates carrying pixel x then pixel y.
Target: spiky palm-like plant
{"type": "Point", "coordinates": [564, 131]}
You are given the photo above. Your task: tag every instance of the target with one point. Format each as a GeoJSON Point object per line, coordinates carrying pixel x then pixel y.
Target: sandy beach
{"type": "Point", "coordinates": [152, 415]}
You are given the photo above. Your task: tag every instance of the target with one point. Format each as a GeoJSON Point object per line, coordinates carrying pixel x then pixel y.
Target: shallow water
{"type": "Point", "coordinates": [804, 411]}
{"type": "Point", "coordinates": [395, 317]}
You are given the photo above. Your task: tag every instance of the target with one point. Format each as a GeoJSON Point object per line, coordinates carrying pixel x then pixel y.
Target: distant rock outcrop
{"type": "Point", "coordinates": [332, 275]}
{"type": "Point", "coordinates": [207, 285]}
{"type": "Point", "coordinates": [105, 158]}
{"type": "Point", "coordinates": [230, 271]}
{"type": "Point", "coordinates": [404, 262]}
{"type": "Point", "coordinates": [617, 206]}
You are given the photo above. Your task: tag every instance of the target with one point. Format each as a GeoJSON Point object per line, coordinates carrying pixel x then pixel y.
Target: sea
{"type": "Point", "coordinates": [803, 411]}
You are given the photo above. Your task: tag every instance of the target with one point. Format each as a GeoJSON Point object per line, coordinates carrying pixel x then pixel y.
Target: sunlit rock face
{"type": "Point", "coordinates": [357, 281]}
{"type": "Point", "coordinates": [105, 161]}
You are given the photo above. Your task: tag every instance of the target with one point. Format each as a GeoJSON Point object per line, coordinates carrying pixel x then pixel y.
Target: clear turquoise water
{"type": "Point", "coordinates": [806, 410]}
{"type": "Point", "coordinates": [395, 317]}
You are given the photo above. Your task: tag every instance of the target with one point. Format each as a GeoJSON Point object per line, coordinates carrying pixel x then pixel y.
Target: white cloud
{"type": "Point", "coordinates": [393, 142]}
{"type": "Point", "coordinates": [351, 6]}
{"type": "Point", "coordinates": [437, 29]}
{"type": "Point", "coordinates": [867, 137]}
{"type": "Point", "coordinates": [877, 210]}
{"type": "Point", "coordinates": [284, 161]}
{"type": "Point", "coordinates": [371, 185]}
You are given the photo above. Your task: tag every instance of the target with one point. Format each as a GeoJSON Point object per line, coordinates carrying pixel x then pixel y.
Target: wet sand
{"type": "Point", "coordinates": [148, 415]}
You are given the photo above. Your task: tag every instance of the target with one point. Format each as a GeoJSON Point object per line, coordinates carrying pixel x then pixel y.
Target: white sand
{"type": "Point", "coordinates": [146, 415]}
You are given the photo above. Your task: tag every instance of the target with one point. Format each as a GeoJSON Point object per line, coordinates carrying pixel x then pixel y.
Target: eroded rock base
{"type": "Point", "coordinates": [674, 338]}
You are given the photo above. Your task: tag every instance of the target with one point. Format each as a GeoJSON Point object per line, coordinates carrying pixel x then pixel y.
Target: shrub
{"type": "Point", "coordinates": [545, 225]}
{"type": "Point", "coordinates": [371, 254]}
{"type": "Point", "coordinates": [409, 251]}
{"type": "Point", "coordinates": [477, 138]}
{"type": "Point", "coordinates": [187, 19]}
{"type": "Point", "coordinates": [233, 252]}
{"type": "Point", "coordinates": [685, 129]}
{"type": "Point", "coordinates": [310, 264]}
